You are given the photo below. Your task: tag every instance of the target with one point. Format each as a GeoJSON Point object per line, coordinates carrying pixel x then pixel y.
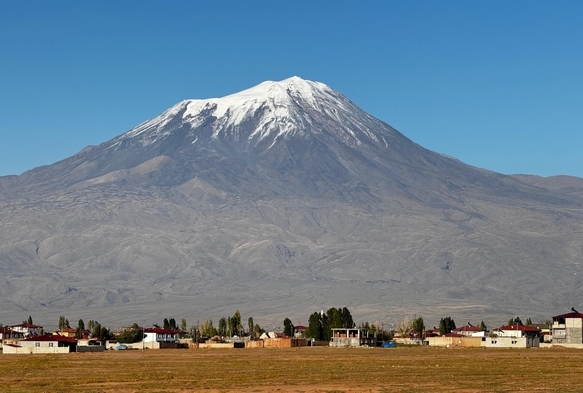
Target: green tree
{"type": "Point", "coordinates": [528, 321]}
{"type": "Point", "coordinates": [514, 321]}
{"type": "Point", "coordinates": [222, 327]}
{"type": "Point", "coordinates": [81, 324]}
{"type": "Point", "coordinates": [446, 325]}
{"type": "Point", "coordinates": [63, 323]}
{"type": "Point", "coordinates": [257, 330]}
{"type": "Point", "coordinates": [207, 329]}
{"type": "Point", "coordinates": [315, 327]}
{"type": "Point", "coordinates": [250, 326]}
{"type": "Point", "coordinates": [288, 327]}
{"type": "Point", "coordinates": [166, 324]}
{"type": "Point", "coordinates": [483, 327]}
{"type": "Point", "coordinates": [336, 318]}
{"type": "Point", "coordinates": [418, 326]}
{"type": "Point", "coordinates": [236, 325]}
{"type": "Point", "coordinates": [183, 325]}
{"type": "Point", "coordinates": [131, 335]}
{"type": "Point", "coordinates": [29, 320]}
{"type": "Point", "coordinates": [173, 325]}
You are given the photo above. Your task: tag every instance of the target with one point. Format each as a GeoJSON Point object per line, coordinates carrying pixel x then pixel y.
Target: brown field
{"type": "Point", "coordinates": [298, 370]}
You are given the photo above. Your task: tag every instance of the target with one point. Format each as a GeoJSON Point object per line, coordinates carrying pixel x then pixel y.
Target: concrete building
{"type": "Point", "coordinates": [47, 343]}
{"type": "Point", "coordinates": [352, 337]}
{"type": "Point", "coordinates": [568, 329]}
{"type": "Point", "coordinates": [469, 330]}
{"type": "Point", "coordinates": [513, 336]}
{"type": "Point", "coordinates": [9, 336]}
{"type": "Point", "coordinates": [156, 338]}
{"type": "Point", "coordinates": [28, 329]}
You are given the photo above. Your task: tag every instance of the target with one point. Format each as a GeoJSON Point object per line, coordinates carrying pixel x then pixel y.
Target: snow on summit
{"type": "Point", "coordinates": [278, 109]}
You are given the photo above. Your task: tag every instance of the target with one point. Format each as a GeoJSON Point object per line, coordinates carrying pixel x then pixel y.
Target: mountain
{"type": "Point", "coordinates": [281, 200]}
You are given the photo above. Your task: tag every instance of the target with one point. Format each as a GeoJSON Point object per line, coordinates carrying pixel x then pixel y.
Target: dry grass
{"type": "Point", "coordinates": [300, 370]}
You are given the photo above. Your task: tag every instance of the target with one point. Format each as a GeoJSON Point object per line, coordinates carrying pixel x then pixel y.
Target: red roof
{"type": "Point", "coordinates": [524, 328]}
{"type": "Point", "coordinates": [452, 334]}
{"type": "Point", "coordinates": [27, 325]}
{"type": "Point", "coordinates": [570, 315]}
{"type": "Point", "coordinates": [161, 331]}
{"type": "Point", "coordinates": [467, 328]}
{"type": "Point", "coordinates": [52, 337]}
{"type": "Point", "coordinates": [6, 330]}
{"type": "Point", "coordinates": [300, 328]}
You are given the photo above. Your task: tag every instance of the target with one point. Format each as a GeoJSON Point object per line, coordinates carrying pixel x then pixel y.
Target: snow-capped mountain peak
{"type": "Point", "coordinates": [276, 109]}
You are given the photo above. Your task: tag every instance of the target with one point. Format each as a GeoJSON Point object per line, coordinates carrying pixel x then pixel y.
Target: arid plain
{"type": "Point", "coordinates": [298, 370]}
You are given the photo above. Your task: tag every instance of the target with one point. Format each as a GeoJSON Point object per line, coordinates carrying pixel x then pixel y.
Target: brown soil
{"type": "Point", "coordinates": [301, 370]}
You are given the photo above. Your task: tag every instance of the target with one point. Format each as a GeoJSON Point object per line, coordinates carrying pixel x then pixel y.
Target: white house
{"type": "Point", "coordinates": [352, 337]}
{"type": "Point", "coordinates": [567, 329]}
{"type": "Point", "coordinates": [49, 343]}
{"type": "Point", "coordinates": [27, 329]}
{"type": "Point", "coordinates": [156, 338]}
{"type": "Point", "coordinates": [513, 336]}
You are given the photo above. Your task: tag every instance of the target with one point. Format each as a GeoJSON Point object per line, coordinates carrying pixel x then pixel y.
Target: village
{"type": "Point", "coordinates": [334, 328]}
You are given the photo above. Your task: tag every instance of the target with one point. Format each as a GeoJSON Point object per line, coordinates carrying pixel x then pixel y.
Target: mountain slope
{"type": "Point", "coordinates": [276, 200]}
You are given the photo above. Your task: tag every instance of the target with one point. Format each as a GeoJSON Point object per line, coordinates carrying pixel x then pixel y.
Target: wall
{"type": "Point", "coordinates": [9, 349]}
{"type": "Point", "coordinates": [216, 346]}
{"type": "Point", "coordinates": [454, 341]}
{"type": "Point", "coordinates": [510, 342]}
{"type": "Point", "coordinates": [574, 331]}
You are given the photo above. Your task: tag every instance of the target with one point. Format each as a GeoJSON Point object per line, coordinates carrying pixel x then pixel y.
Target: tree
{"type": "Point", "coordinates": [81, 325]}
{"type": "Point", "coordinates": [404, 328]}
{"type": "Point", "coordinates": [131, 335]}
{"type": "Point", "coordinates": [336, 318]}
{"type": "Point", "coordinates": [173, 325]}
{"type": "Point", "coordinates": [528, 321]}
{"type": "Point", "coordinates": [288, 327]}
{"type": "Point", "coordinates": [315, 327]}
{"type": "Point", "coordinates": [166, 324]}
{"type": "Point", "coordinates": [207, 329]}
{"type": "Point", "coordinates": [250, 326]}
{"type": "Point", "coordinates": [446, 325]}
{"type": "Point", "coordinates": [63, 323]}
{"type": "Point", "coordinates": [29, 320]}
{"type": "Point", "coordinates": [183, 325]}
{"type": "Point", "coordinates": [257, 330]}
{"type": "Point", "coordinates": [483, 327]}
{"type": "Point", "coordinates": [514, 321]}
{"type": "Point", "coordinates": [418, 326]}
{"type": "Point", "coordinates": [222, 327]}
{"type": "Point", "coordinates": [236, 325]}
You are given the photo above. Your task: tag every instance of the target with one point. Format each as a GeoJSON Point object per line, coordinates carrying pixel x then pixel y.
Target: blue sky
{"type": "Point", "coordinates": [496, 84]}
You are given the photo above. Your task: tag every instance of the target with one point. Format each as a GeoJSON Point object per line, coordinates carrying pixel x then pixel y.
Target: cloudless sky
{"type": "Point", "coordinates": [496, 84]}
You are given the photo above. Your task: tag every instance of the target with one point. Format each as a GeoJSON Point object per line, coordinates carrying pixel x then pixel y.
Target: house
{"type": "Point", "coordinates": [299, 331]}
{"type": "Point", "coordinates": [453, 340]}
{"type": "Point", "coordinates": [516, 335]}
{"type": "Point", "coordinates": [156, 338]}
{"type": "Point", "coordinates": [352, 337]}
{"type": "Point", "coordinates": [469, 330]}
{"type": "Point", "coordinates": [9, 336]}
{"type": "Point", "coordinates": [66, 332]}
{"type": "Point", "coordinates": [568, 329]}
{"type": "Point", "coordinates": [28, 329]}
{"type": "Point", "coordinates": [47, 343]}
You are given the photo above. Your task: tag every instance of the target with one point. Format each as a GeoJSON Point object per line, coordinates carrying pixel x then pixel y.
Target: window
{"type": "Point", "coordinates": [37, 344]}
{"type": "Point", "coordinates": [50, 344]}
